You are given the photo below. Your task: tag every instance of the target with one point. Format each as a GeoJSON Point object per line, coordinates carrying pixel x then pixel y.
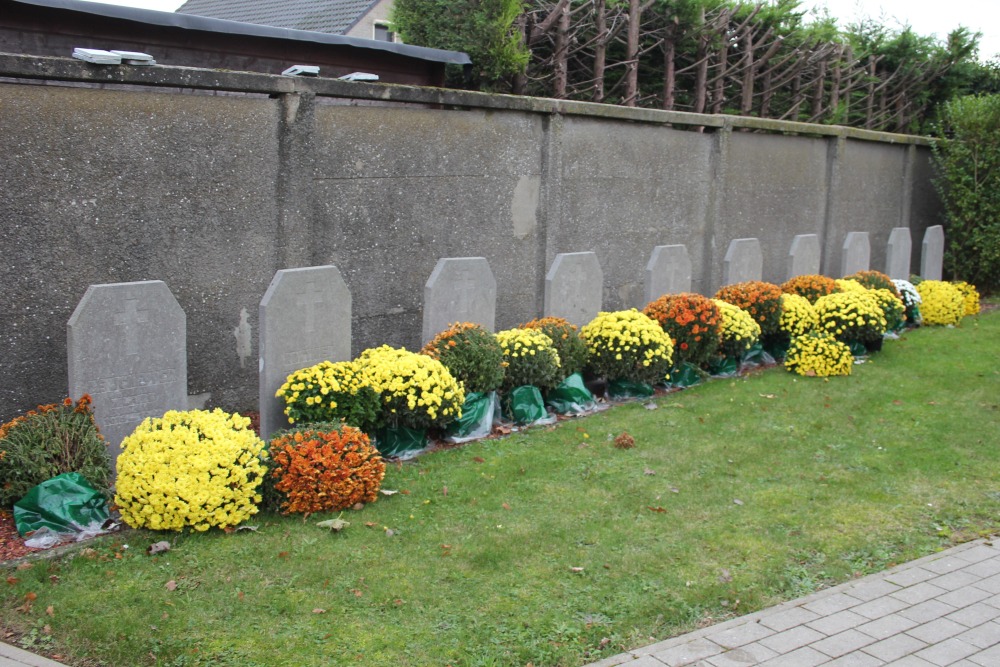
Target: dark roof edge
{"type": "Point", "coordinates": [205, 24]}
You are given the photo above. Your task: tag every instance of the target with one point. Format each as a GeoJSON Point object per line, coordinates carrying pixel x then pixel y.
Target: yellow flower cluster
{"type": "Point", "coordinates": [628, 345]}
{"type": "Point", "coordinates": [848, 285]}
{"type": "Point", "coordinates": [193, 468]}
{"type": "Point", "coordinates": [971, 295]}
{"type": "Point", "coordinates": [941, 302]}
{"type": "Point", "coordinates": [892, 307]}
{"type": "Point", "coordinates": [417, 391]}
{"type": "Point", "coordinates": [819, 354]}
{"type": "Point", "coordinates": [330, 392]}
{"type": "Point", "coordinates": [531, 359]}
{"type": "Point", "coordinates": [739, 330]}
{"type": "Point", "coordinates": [851, 315]}
{"type": "Point", "coordinates": [797, 315]}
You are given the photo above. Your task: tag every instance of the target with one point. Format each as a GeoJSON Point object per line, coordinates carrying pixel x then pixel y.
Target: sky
{"type": "Point", "coordinates": [926, 17]}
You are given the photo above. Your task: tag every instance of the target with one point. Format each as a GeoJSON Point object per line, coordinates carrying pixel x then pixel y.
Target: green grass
{"type": "Point", "coordinates": [834, 479]}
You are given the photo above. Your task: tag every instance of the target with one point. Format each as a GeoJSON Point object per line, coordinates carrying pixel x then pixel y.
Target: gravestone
{"type": "Point", "coordinates": [127, 348]}
{"type": "Point", "coordinates": [804, 256]}
{"type": "Point", "coordinates": [305, 318]}
{"type": "Point", "coordinates": [897, 254]}
{"type": "Point", "coordinates": [932, 254]}
{"type": "Point", "coordinates": [668, 272]}
{"type": "Point", "coordinates": [574, 287]}
{"type": "Point", "coordinates": [743, 261]}
{"type": "Point", "coordinates": [460, 289]}
{"type": "Point", "coordinates": [856, 253]}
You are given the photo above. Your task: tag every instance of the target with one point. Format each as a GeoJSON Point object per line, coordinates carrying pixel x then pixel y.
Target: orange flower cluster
{"type": "Point", "coordinates": [82, 407]}
{"type": "Point", "coordinates": [693, 323]}
{"type": "Point", "coordinates": [875, 280]}
{"type": "Point", "coordinates": [810, 286]}
{"type": "Point", "coordinates": [762, 300]}
{"type": "Point", "coordinates": [565, 338]}
{"type": "Point", "coordinates": [320, 471]}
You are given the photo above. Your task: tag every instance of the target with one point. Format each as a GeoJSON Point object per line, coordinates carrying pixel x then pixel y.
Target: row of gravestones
{"type": "Point", "coordinates": [127, 341]}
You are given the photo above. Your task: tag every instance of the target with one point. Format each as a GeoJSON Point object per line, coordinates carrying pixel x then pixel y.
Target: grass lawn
{"type": "Point", "coordinates": [553, 547]}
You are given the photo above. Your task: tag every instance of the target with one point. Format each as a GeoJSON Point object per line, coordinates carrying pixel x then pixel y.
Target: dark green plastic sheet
{"type": "Point", "coordinates": [723, 366]}
{"type": "Point", "coordinates": [524, 405]}
{"type": "Point", "coordinates": [858, 348]}
{"type": "Point", "coordinates": [400, 441]}
{"type": "Point", "coordinates": [66, 503]}
{"type": "Point", "coordinates": [571, 397]}
{"type": "Point", "coordinates": [685, 375]}
{"type": "Point", "coordinates": [756, 356]}
{"type": "Point", "coordinates": [476, 420]}
{"type": "Point", "coordinates": [624, 389]}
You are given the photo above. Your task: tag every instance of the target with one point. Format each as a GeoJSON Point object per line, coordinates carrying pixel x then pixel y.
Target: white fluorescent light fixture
{"type": "Point", "coordinates": [302, 70]}
{"type": "Point", "coordinates": [359, 76]}
{"type": "Point", "coordinates": [97, 56]}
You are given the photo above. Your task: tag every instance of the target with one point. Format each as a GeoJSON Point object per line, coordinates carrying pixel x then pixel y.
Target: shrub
{"type": "Point", "coordinates": [48, 441]}
{"type": "Point", "coordinates": [892, 308]}
{"type": "Point", "coordinates": [566, 338]}
{"type": "Point", "coordinates": [874, 280]}
{"type": "Point", "coordinates": [851, 316]}
{"type": "Point", "coordinates": [911, 299]}
{"type": "Point", "coordinates": [417, 392]}
{"type": "Point", "coordinates": [941, 302]}
{"type": "Point", "coordinates": [762, 300]}
{"type": "Point", "coordinates": [332, 392]}
{"type": "Point", "coordinates": [627, 345]}
{"type": "Point", "coordinates": [818, 353]}
{"type": "Point", "coordinates": [850, 285]}
{"type": "Point", "coordinates": [971, 296]}
{"type": "Point", "coordinates": [324, 467]}
{"type": "Point", "coordinates": [810, 286]}
{"type": "Point", "coordinates": [798, 315]}
{"type": "Point", "coordinates": [738, 332]}
{"type": "Point", "coordinates": [691, 321]}
{"type": "Point", "coordinates": [195, 468]}
{"type": "Point", "coordinates": [531, 359]}
{"type": "Point", "coordinates": [472, 355]}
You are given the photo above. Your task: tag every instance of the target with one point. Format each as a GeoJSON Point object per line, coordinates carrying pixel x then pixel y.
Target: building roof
{"type": "Point", "coordinates": [331, 16]}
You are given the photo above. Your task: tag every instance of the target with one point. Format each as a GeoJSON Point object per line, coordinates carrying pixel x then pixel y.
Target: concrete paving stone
{"type": "Point", "coordinates": [871, 589]}
{"type": "Point", "coordinates": [910, 576]}
{"type": "Point", "coordinates": [993, 600]}
{"type": "Point", "coordinates": [895, 647]}
{"type": "Point", "coordinates": [803, 657]}
{"type": "Point", "coordinates": [838, 622]}
{"type": "Point", "coordinates": [856, 659]}
{"type": "Point", "coordinates": [975, 615]}
{"type": "Point", "coordinates": [927, 611]}
{"type": "Point", "coordinates": [751, 654]}
{"type": "Point", "coordinates": [979, 552]}
{"type": "Point", "coordinates": [13, 656]}
{"type": "Point", "coordinates": [843, 643]}
{"type": "Point", "coordinates": [910, 661]}
{"type": "Point", "coordinates": [886, 626]}
{"type": "Point", "coordinates": [945, 565]}
{"type": "Point", "coordinates": [963, 663]}
{"type": "Point", "coordinates": [832, 603]}
{"type": "Point", "coordinates": [740, 635]}
{"type": "Point", "coordinates": [982, 636]}
{"type": "Point", "coordinates": [644, 661]}
{"type": "Point", "coordinates": [946, 652]}
{"type": "Point", "coordinates": [937, 630]}
{"type": "Point", "coordinates": [988, 658]}
{"type": "Point", "coordinates": [688, 653]}
{"type": "Point", "coordinates": [990, 584]}
{"type": "Point", "coordinates": [963, 597]}
{"type": "Point", "coordinates": [984, 568]}
{"type": "Point", "coordinates": [918, 593]}
{"type": "Point", "coordinates": [789, 640]}
{"type": "Point", "coordinates": [880, 607]}
{"type": "Point", "coordinates": [955, 580]}
{"type": "Point", "coordinates": [788, 618]}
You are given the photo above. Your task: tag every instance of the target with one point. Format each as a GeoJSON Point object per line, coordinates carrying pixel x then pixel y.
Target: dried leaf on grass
{"type": "Point", "coordinates": [335, 525]}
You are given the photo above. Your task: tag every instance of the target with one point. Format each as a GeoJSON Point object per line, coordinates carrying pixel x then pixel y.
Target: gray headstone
{"type": "Point", "coordinates": [668, 271]}
{"type": "Point", "coordinates": [574, 287]}
{"type": "Point", "coordinates": [932, 254]}
{"type": "Point", "coordinates": [744, 261]}
{"type": "Point", "coordinates": [856, 254]}
{"type": "Point", "coordinates": [127, 348]}
{"type": "Point", "coordinates": [804, 256]}
{"type": "Point", "coordinates": [460, 289]}
{"type": "Point", "coordinates": [305, 318]}
{"type": "Point", "coordinates": [897, 254]}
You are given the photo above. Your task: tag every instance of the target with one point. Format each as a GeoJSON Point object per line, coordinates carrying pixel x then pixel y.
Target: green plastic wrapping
{"type": "Point", "coordinates": [524, 405]}
{"type": "Point", "coordinates": [625, 389]}
{"type": "Point", "coordinates": [858, 348]}
{"type": "Point", "coordinates": [66, 503]}
{"type": "Point", "coordinates": [571, 397]}
{"type": "Point", "coordinates": [723, 366]}
{"type": "Point", "coordinates": [685, 375]}
{"type": "Point", "coordinates": [477, 418]}
{"type": "Point", "coordinates": [756, 356]}
{"type": "Point", "coordinates": [400, 441]}
{"type": "Point", "coordinates": [776, 345]}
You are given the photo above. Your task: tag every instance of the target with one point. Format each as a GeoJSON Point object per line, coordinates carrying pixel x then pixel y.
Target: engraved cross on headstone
{"type": "Point", "coordinates": [129, 318]}
{"type": "Point", "coordinates": [311, 297]}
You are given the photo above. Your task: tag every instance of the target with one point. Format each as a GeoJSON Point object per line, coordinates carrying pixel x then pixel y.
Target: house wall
{"type": "Point", "coordinates": [214, 193]}
{"type": "Point", "coordinates": [365, 27]}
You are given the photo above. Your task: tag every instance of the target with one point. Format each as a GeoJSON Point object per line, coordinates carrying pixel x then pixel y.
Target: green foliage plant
{"type": "Point", "coordinates": [738, 330]}
{"type": "Point", "coordinates": [566, 339]}
{"type": "Point", "coordinates": [332, 392]}
{"type": "Point", "coordinates": [417, 392]}
{"type": "Point", "coordinates": [873, 280]}
{"type": "Point", "coordinates": [853, 316]}
{"type": "Point", "coordinates": [471, 353]}
{"type": "Point", "coordinates": [531, 359]}
{"type": "Point", "coordinates": [628, 345]}
{"type": "Point", "coordinates": [48, 441]}
{"type": "Point", "coordinates": [819, 354]}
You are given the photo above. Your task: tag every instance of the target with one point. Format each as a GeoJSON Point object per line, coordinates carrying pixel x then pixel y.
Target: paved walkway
{"type": "Point", "coordinates": [11, 656]}
{"type": "Point", "coordinates": [940, 610]}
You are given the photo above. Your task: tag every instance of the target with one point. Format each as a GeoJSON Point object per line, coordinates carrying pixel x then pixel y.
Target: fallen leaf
{"type": "Point", "coordinates": [674, 489]}
{"type": "Point", "coordinates": [725, 577]}
{"type": "Point", "coordinates": [446, 546]}
{"type": "Point", "coordinates": [28, 566]}
{"type": "Point", "coordinates": [397, 602]}
{"type": "Point", "coordinates": [47, 629]}
{"type": "Point", "coordinates": [658, 510]}
{"type": "Point", "coordinates": [370, 524]}
{"type": "Point", "coordinates": [897, 402]}
{"type": "Point", "coordinates": [12, 580]}
{"type": "Point", "coordinates": [157, 547]}
{"type": "Point", "coordinates": [336, 525]}
{"type": "Point", "coordinates": [737, 501]}
{"type": "Point", "coordinates": [388, 492]}
{"type": "Point", "coordinates": [505, 506]}
{"type": "Point", "coordinates": [405, 492]}
{"type": "Point", "coordinates": [357, 507]}
{"type": "Point", "coordinates": [500, 429]}
{"type": "Point", "coordinates": [648, 471]}
{"type": "Point", "coordinates": [651, 406]}
{"type": "Point", "coordinates": [240, 595]}
{"type": "Point", "coordinates": [319, 611]}
{"type": "Point", "coordinates": [479, 459]}
{"type": "Point", "coordinates": [283, 554]}
{"type": "Point", "coordinates": [252, 529]}
{"type": "Point", "coordinates": [624, 441]}
{"type": "Point", "coordinates": [768, 395]}
{"type": "Point", "coordinates": [171, 585]}
{"type": "Point", "coordinates": [357, 593]}
{"type": "Point", "coordinates": [576, 569]}
{"type": "Point", "coordinates": [444, 491]}
{"type": "Point", "coordinates": [50, 610]}
{"type": "Point", "coordinates": [389, 532]}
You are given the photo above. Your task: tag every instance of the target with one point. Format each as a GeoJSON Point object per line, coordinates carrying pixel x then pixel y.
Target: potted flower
{"type": "Point", "coordinates": [533, 365]}
{"type": "Point", "coordinates": [571, 395]}
{"type": "Point", "coordinates": [692, 322]}
{"type": "Point", "coordinates": [630, 350]}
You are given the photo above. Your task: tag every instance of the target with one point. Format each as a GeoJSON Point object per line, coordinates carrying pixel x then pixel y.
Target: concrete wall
{"type": "Point", "coordinates": [155, 175]}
